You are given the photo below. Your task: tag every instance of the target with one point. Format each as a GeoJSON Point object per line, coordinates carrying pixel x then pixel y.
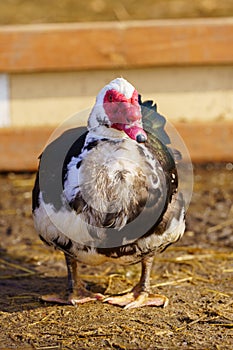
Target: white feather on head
{"type": "Point", "coordinates": [98, 115]}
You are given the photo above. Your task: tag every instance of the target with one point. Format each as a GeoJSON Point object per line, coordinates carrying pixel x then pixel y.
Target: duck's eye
{"type": "Point", "coordinates": [110, 98]}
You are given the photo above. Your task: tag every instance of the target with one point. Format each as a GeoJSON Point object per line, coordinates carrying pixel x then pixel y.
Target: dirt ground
{"type": "Point", "coordinates": [44, 11]}
{"type": "Point", "coordinates": [196, 274]}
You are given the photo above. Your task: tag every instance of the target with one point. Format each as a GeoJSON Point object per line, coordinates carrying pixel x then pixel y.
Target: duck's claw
{"type": "Point", "coordinates": [76, 299]}
{"type": "Point", "coordinates": [132, 300]}
{"type": "Point", "coordinates": [73, 298]}
{"type": "Point", "coordinates": [55, 298]}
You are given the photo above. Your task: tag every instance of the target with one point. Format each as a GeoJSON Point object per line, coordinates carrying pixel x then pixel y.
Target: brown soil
{"type": "Point", "coordinates": [196, 274]}
{"type": "Point", "coordinates": [47, 11]}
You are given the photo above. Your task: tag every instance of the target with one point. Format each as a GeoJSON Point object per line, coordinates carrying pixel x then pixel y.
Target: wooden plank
{"type": "Point", "coordinates": [20, 147]}
{"type": "Point", "coordinates": [45, 47]}
{"type": "Point", "coordinates": [206, 142]}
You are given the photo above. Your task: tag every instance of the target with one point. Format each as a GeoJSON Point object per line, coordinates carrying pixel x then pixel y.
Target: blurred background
{"type": "Point", "coordinates": [60, 11]}
{"type": "Point", "coordinates": [56, 55]}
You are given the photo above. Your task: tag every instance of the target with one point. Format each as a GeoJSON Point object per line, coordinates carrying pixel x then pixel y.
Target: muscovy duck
{"type": "Point", "coordinates": [109, 192]}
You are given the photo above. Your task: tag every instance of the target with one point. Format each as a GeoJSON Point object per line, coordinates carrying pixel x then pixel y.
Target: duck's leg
{"type": "Point", "coordinates": [77, 293]}
{"type": "Point", "coordinates": [140, 294]}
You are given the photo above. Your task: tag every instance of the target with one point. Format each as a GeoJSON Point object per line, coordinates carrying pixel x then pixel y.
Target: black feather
{"type": "Point", "coordinates": [53, 167]}
{"type": "Point", "coordinates": [153, 122]}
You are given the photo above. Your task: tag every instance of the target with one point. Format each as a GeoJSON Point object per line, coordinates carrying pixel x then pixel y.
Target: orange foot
{"type": "Point", "coordinates": [138, 299]}
{"type": "Point", "coordinates": [80, 296]}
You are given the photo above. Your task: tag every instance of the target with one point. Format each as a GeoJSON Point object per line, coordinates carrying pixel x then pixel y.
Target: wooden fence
{"type": "Point", "coordinates": [100, 46]}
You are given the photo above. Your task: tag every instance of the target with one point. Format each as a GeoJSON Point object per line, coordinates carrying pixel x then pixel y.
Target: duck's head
{"type": "Point", "coordinates": [117, 112]}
